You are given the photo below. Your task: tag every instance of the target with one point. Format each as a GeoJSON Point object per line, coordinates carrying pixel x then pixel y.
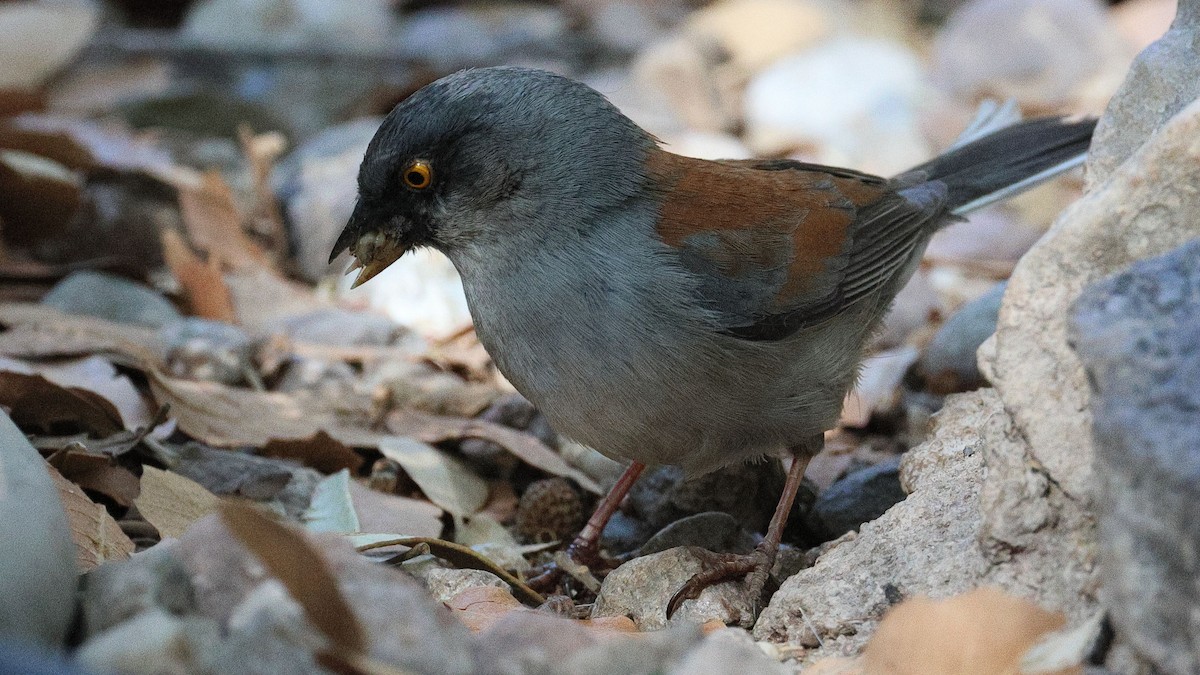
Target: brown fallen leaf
{"type": "Point", "coordinates": [481, 607]}
{"type": "Point", "coordinates": [97, 536]}
{"type": "Point", "coordinates": [171, 503]}
{"type": "Point", "coordinates": [436, 429]}
{"type": "Point", "coordinates": [37, 405]}
{"type": "Point", "coordinates": [984, 631]}
{"type": "Point", "coordinates": [37, 331]}
{"type": "Point", "coordinates": [214, 224]}
{"type": "Point", "coordinates": [229, 417]}
{"type": "Point", "coordinates": [204, 288]}
{"type": "Point", "coordinates": [97, 473]}
{"type": "Point", "coordinates": [38, 196]}
{"type": "Point", "coordinates": [320, 451]}
{"type": "Point", "coordinates": [299, 566]}
{"type": "Point", "coordinates": [55, 145]}
{"type": "Point", "coordinates": [379, 512]}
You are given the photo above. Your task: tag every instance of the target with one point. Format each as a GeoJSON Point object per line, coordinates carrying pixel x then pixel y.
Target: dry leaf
{"type": "Point", "coordinates": [97, 473]}
{"type": "Point", "coordinates": [58, 146]}
{"type": "Point", "coordinates": [214, 223]}
{"type": "Point", "coordinates": [96, 375]}
{"type": "Point", "coordinates": [320, 451]}
{"type": "Point", "coordinates": [171, 503]}
{"type": "Point", "coordinates": [983, 631]}
{"type": "Point", "coordinates": [479, 607]}
{"type": "Point", "coordinates": [436, 429]}
{"type": "Point", "coordinates": [379, 512]}
{"type": "Point", "coordinates": [38, 38]}
{"type": "Point", "coordinates": [230, 417]}
{"type": "Point", "coordinates": [291, 559]}
{"type": "Point", "coordinates": [36, 331]}
{"type": "Point", "coordinates": [203, 287]}
{"type": "Point", "coordinates": [37, 405]}
{"type": "Point", "coordinates": [38, 196]}
{"type": "Point", "coordinates": [446, 481]}
{"type": "Point", "coordinates": [97, 536]}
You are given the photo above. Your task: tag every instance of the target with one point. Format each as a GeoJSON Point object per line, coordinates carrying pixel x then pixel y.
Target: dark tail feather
{"type": "Point", "coordinates": [1009, 161]}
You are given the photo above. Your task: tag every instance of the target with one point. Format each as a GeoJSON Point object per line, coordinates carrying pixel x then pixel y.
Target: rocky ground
{"type": "Point", "coordinates": [217, 457]}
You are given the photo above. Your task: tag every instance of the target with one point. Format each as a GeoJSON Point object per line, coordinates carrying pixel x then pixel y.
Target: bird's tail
{"type": "Point", "coordinates": [1008, 161]}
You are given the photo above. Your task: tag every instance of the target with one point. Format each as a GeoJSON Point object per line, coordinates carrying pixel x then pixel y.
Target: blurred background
{"type": "Point", "coordinates": [168, 158]}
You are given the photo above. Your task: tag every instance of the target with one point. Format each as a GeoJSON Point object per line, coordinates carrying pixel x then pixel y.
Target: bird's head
{"type": "Point", "coordinates": [486, 155]}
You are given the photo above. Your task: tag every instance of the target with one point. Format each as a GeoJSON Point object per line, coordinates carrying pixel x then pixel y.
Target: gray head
{"type": "Point", "coordinates": [490, 153]}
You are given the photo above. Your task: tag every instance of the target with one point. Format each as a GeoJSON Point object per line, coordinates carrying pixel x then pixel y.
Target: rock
{"type": "Point", "coordinates": [624, 534]}
{"type": "Point", "coordinates": [748, 492]}
{"type": "Point", "coordinates": [860, 497]}
{"type": "Point", "coordinates": [949, 363]}
{"type": "Point", "coordinates": [926, 545]}
{"type": "Point", "coordinates": [37, 577]}
{"type": "Point", "coordinates": [268, 634]}
{"type": "Point", "coordinates": [1123, 219]}
{"type": "Point", "coordinates": [1138, 334]}
{"type": "Point", "coordinates": [529, 642]}
{"type": "Point", "coordinates": [641, 588]}
{"type": "Point", "coordinates": [450, 37]}
{"type": "Point", "coordinates": [704, 69]}
{"type": "Point", "coordinates": [21, 657]}
{"type": "Point", "coordinates": [1043, 53]}
{"type": "Point", "coordinates": [1163, 79]}
{"type": "Point", "coordinates": [109, 297]}
{"type": "Point", "coordinates": [199, 349]}
{"type": "Point", "coordinates": [328, 380]}
{"type": "Point", "coordinates": [421, 291]}
{"type": "Point", "coordinates": [404, 626]}
{"type": "Point", "coordinates": [150, 643]}
{"type": "Point", "coordinates": [645, 654]}
{"type": "Point", "coordinates": [994, 238]}
{"type": "Point", "coordinates": [337, 327]}
{"type": "Point", "coordinates": [728, 651]}
{"type": "Point", "coordinates": [713, 531]}
{"type": "Point", "coordinates": [847, 102]}
{"type": "Point", "coordinates": [318, 185]}
{"type": "Point", "coordinates": [445, 583]}
{"type": "Point", "coordinates": [277, 24]}
{"type": "Point", "coordinates": [153, 580]}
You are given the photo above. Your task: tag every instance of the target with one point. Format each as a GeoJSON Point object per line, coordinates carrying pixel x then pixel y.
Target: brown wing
{"type": "Point", "coordinates": [779, 245]}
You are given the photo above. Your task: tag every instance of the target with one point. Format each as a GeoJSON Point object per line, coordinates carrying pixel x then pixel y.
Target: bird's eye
{"type": "Point", "coordinates": [418, 175]}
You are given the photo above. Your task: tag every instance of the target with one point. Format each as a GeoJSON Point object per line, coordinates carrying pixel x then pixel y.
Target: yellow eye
{"type": "Point", "coordinates": [418, 175]}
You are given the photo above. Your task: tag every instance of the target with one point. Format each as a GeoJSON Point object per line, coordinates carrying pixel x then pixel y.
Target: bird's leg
{"type": "Point", "coordinates": [755, 566]}
{"type": "Point", "coordinates": [585, 549]}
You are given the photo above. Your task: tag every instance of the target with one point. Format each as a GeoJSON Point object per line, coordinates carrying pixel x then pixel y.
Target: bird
{"type": "Point", "coordinates": [659, 308]}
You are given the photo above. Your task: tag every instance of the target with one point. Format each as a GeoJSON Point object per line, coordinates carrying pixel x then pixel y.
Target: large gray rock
{"type": "Point", "coordinates": [110, 297]}
{"type": "Point", "coordinates": [1146, 207]}
{"type": "Point", "coordinates": [860, 497]}
{"type": "Point", "coordinates": [925, 545]}
{"type": "Point", "coordinates": [1025, 523]}
{"type": "Point", "coordinates": [641, 588]}
{"type": "Point", "coordinates": [1139, 336]}
{"type": "Point", "coordinates": [1163, 79]}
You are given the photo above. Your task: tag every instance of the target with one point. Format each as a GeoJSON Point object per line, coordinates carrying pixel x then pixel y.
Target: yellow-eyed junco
{"type": "Point", "coordinates": [663, 309]}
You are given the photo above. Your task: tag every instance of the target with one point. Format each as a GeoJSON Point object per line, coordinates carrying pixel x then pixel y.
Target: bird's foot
{"type": "Point", "coordinates": [755, 567]}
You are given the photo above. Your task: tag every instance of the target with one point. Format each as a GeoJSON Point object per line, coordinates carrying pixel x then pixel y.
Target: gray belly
{"type": "Point", "coordinates": [657, 385]}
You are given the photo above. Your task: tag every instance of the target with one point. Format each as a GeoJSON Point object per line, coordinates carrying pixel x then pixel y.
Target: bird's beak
{"type": "Point", "coordinates": [374, 242]}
